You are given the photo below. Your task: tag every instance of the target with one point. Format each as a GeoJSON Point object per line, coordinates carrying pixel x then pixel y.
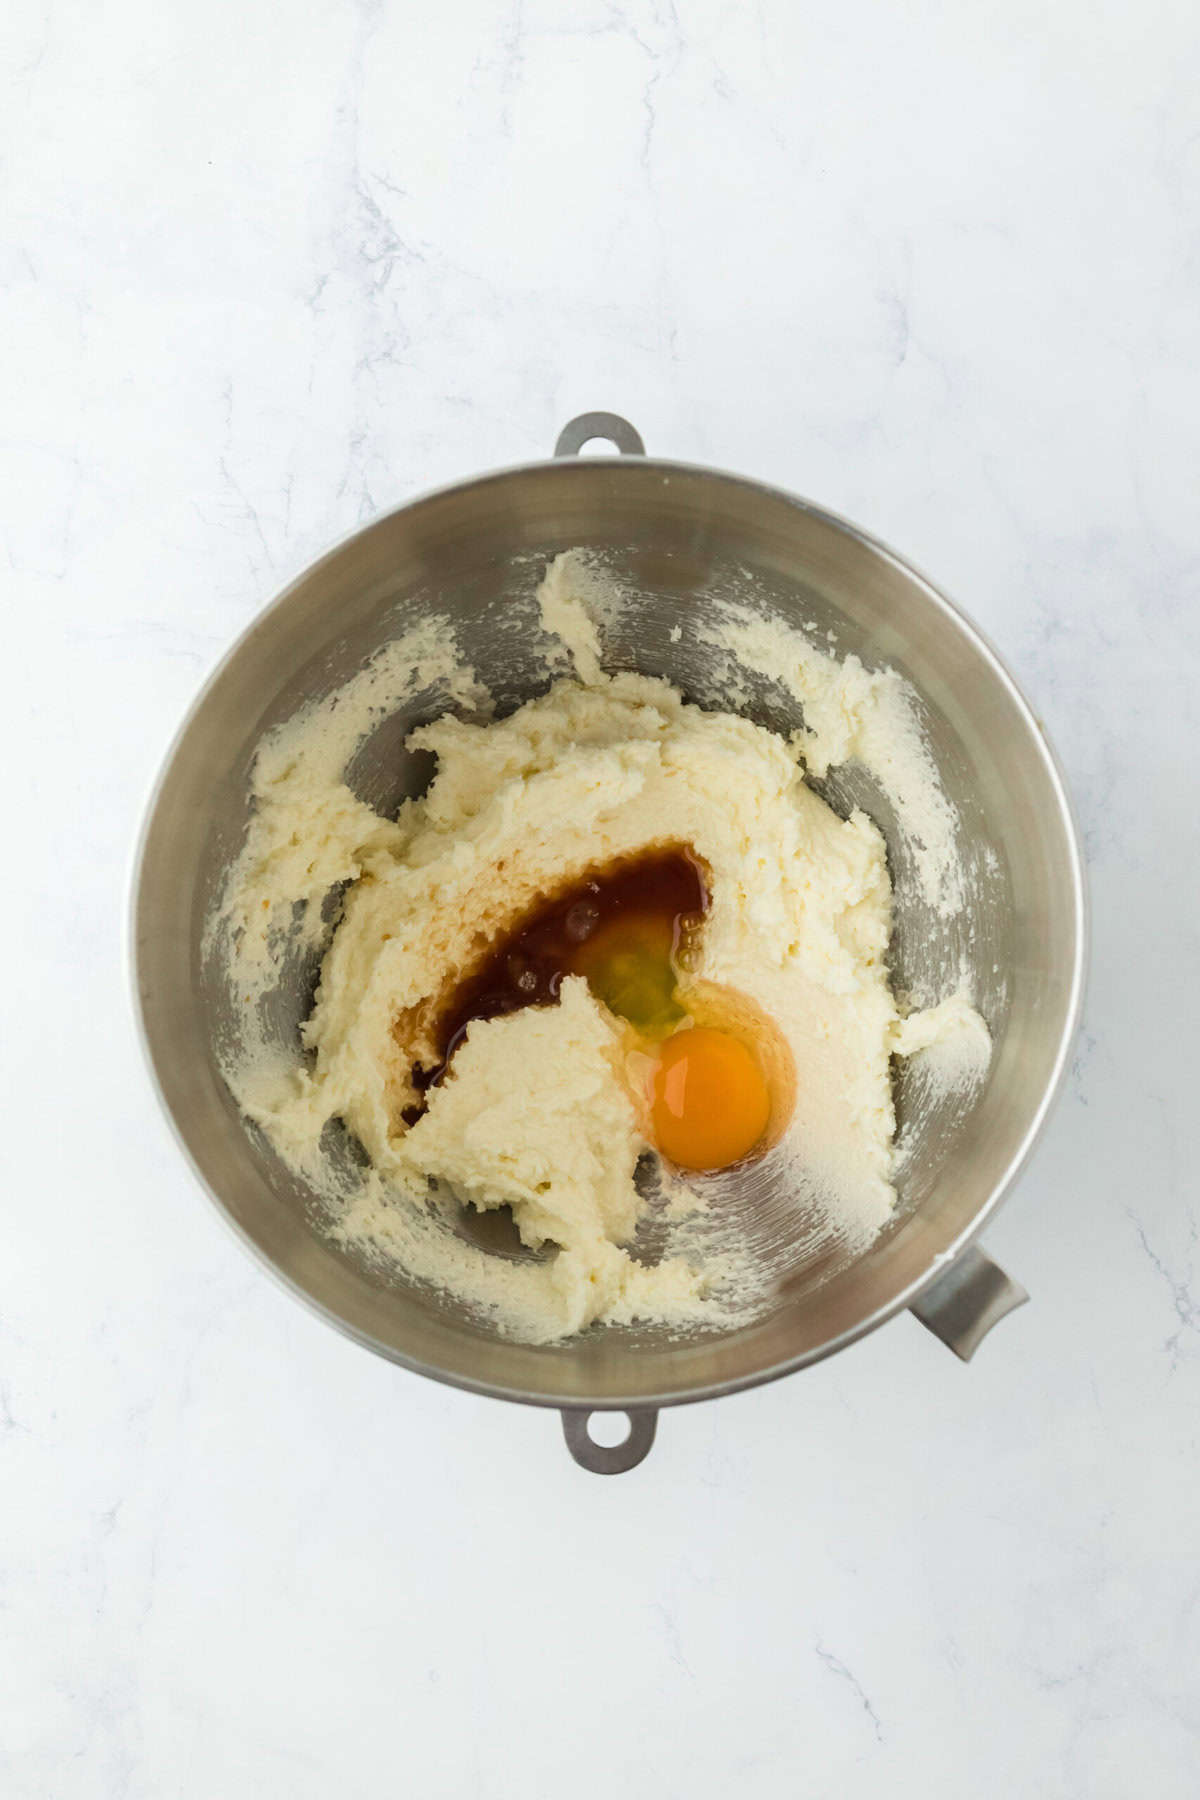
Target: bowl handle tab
{"type": "Point", "coordinates": [964, 1302]}
{"type": "Point", "coordinates": [609, 426]}
{"type": "Point", "coordinates": [609, 1459]}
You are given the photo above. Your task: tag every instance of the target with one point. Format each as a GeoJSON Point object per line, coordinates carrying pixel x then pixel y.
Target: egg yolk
{"type": "Point", "coordinates": [709, 1101]}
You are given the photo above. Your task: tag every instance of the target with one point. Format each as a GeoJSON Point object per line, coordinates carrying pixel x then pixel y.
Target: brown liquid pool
{"type": "Point", "coordinates": [626, 929]}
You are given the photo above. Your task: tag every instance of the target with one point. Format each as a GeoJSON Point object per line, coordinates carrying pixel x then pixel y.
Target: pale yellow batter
{"type": "Point", "coordinates": [536, 1113]}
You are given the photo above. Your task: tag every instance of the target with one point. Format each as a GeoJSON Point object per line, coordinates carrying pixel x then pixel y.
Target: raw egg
{"type": "Point", "coordinates": [628, 964]}
{"type": "Point", "coordinates": [709, 1100]}
{"type": "Point", "coordinates": [720, 1080]}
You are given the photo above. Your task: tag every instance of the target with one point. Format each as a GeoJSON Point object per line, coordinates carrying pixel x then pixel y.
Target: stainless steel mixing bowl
{"type": "Point", "coordinates": [684, 537]}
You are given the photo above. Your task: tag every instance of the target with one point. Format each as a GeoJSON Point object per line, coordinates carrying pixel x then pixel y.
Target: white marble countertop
{"type": "Point", "coordinates": [268, 269]}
